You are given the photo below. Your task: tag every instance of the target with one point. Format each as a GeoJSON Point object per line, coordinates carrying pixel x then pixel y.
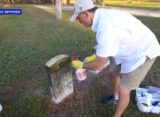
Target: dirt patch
{"type": "Point", "coordinates": [83, 101]}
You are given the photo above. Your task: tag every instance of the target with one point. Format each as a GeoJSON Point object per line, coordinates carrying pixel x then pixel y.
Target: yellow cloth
{"type": "Point", "coordinates": [90, 58]}
{"type": "Point", "coordinates": [77, 64]}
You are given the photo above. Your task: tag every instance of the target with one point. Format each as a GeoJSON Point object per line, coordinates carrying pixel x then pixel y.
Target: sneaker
{"type": "Point", "coordinates": [1, 107]}
{"type": "Point", "coordinates": [109, 100]}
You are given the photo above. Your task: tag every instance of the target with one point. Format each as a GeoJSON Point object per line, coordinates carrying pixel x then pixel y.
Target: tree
{"type": "Point", "coordinates": [98, 2]}
{"type": "Point", "coordinates": [8, 1]}
{"type": "Point", "coordinates": [52, 1]}
{"type": "Point", "coordinates": [68, 1]}
{"type": "Point", "coordinates": [58, 9]}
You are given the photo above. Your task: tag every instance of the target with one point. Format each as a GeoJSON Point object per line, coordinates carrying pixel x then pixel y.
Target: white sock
{"type": "Point", "coordinates": [116, 97]}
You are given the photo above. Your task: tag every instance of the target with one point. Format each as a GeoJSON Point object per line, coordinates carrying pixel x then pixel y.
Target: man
{"type": "Point", "coordinates": [124, 37]}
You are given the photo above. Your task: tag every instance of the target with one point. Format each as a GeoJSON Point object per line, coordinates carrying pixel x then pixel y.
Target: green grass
{"type": "Point", "coordinates": [136, 4]}
{"type": "Point", "coordinates": [27, 42]}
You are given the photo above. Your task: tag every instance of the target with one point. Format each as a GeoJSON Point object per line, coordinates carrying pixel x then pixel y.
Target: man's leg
{"type": "Point", "coordinates": [114, 75]}
{"type": "Point", "coordinates": [130, 81]}
{"type": "Point", "coordinates": [115, 78]}
{"type": "Point", "coordinates": [124, 98]}
{"type": "Point", "coordinates": [113, 99]}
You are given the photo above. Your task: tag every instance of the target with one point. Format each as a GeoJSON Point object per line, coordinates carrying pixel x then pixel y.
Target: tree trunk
{"type": "Point", "coordinates": [98, 2]}
{"type": "Point", "coordinates": [53, 1]}
{"type": "Point", "coordinates": [58, 9]}
{"type": "Point", "coordinates": [10, 1]}
{"type": "Point", "coordinates": [68, 2]}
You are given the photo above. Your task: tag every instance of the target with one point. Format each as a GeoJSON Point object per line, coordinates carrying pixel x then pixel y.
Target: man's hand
{"type": "Point", "coordinates": [90, 58]}
{"type": "Point", "coordinates": [77, 64]}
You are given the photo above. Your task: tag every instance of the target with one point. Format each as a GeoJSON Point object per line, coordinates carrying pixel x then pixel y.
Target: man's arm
{"type": "Point", "coordinates": [97, 64]}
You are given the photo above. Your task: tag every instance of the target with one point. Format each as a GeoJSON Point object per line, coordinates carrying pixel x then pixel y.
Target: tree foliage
{"type": "Point", "coordinates": [98, 2]}
{"type": "Point", "coordinates": [27, 1]}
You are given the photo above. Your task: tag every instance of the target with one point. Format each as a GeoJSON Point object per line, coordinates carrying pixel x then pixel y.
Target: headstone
{"type": "Point", "coordinates": [60, 77]}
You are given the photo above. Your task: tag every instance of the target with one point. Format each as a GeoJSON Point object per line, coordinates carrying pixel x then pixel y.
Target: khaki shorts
{"type": "Point", "coordinates": [133, 79]}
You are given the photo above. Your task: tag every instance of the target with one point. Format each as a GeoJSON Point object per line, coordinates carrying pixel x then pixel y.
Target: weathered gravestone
{"type": "Point", "coordinates": [60, 77]}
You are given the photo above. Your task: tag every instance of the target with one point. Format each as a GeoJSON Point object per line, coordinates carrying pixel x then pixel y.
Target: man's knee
{"type": "Point", "coordinates": [124, 92]}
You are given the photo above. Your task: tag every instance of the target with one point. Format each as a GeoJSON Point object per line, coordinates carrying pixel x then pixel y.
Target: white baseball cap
{"type": "Point", "coordinates": [80, 6]}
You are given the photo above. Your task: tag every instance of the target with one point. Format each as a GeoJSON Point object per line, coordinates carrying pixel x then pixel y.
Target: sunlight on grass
{"type": "Point", "coordinates": [127, 3]}
{"type": "Point", "coordinates": [49, 10]}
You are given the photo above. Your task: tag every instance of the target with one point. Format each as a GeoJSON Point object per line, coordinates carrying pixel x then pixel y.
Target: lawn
{"type": "Point", "coordinates": [28, 41]}
{"type": "Point", "coordinates": [134, 3]}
